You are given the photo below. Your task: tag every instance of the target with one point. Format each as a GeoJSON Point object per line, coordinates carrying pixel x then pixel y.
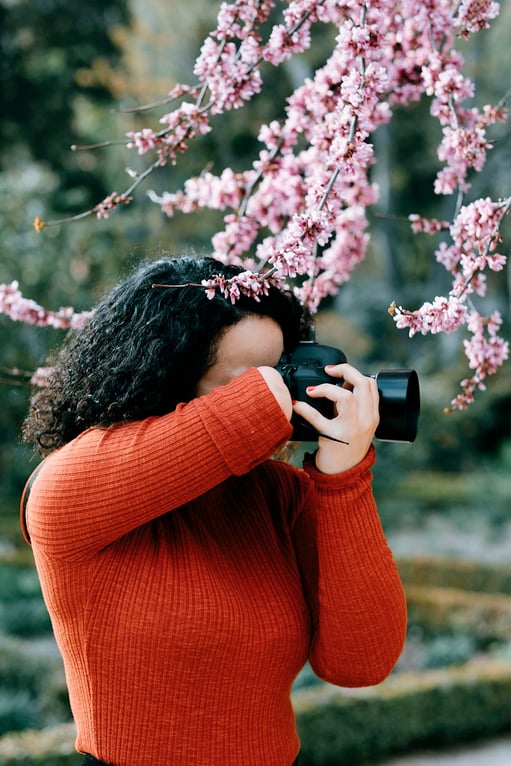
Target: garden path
{"type": "Point", "coordinates": [491, 753]}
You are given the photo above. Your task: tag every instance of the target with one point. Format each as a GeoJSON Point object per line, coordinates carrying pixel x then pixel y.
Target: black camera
{"type": "Point", "coordinates": [398, 389]}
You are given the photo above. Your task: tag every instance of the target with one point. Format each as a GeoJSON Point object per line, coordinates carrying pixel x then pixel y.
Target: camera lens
{"type": "Point", "coordinates": [399, 405]}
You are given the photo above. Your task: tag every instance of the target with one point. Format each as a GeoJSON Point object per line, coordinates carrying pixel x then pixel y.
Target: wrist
{"type": "Point", "coordinates": [334, 458]}
{"type": "Point", "coordinates": [341, 479]}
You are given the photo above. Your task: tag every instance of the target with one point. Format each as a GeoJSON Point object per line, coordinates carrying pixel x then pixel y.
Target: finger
{"type": "Point", "coordinates": [331, 391]}
{"type": "Point", "coordinates": [364, 397]}
{"type": "Point", "coordinates": [346, 371]}
{"type": "Point", "coordinates": [365, 392]}
{"type": "Point", "coordinates": [354, 380]}
{"type": "Point", "coordinates": [310, 414]}
{"type": "Point", "coordinates": [351, 377]}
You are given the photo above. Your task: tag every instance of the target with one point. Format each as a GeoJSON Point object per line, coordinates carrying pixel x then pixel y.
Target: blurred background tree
{"type": "Point", "coordinates": [68, 69]}
{"type": "Point", "coordinates": [45, 46]}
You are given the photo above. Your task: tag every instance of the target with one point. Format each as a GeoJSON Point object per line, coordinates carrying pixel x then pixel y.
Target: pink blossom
{"type": "Point", "coordinates": [281, 46]}
{"type": "Point", "coordinates": [474, 15]}
{"type": "Point", "coordinates": [476, 227]}
{"type": "Point", "coordinates": [293, 36]}
{"type": "Point", "coordinates": [426, 225]}
{"type": "Point", "coordinates": [246, 283]}
{"type": "Point", "coordinates": [236, 239]}
{"type": "Point", "coordinates": [20, 309]}
{"type": "Point", "coordinates": [452, 86]}
{"type": "Point", "coordinates": [215, 192]}
{"type": "Point", "coordinates": [486, 352]}
{"type": "Point", "coordinates": [448, 256]}
{"type": "Point", "coordinates": [230, 73]}
{"type": "Point", "coordinates": [449, 179]}
{"type": "Point", "coordinates": [298, 196]}
{"type": "Point", "coordinates": [241, 18]}
{"type": "Point", "coordinates": [104, 208]}
{"type": "Point", "coordinates": [143, 140]}
{"type": "Point", "coordinates": [443, 315]}
{"type": "Point", "coordinates": [183, 124]}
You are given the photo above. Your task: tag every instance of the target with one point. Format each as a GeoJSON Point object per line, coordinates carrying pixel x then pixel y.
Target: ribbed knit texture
{"type": "Point", "coordinates": [189, 578]}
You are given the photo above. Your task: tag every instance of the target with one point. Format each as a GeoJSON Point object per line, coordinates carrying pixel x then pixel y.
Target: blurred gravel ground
{"type": "Point", "coordinates": [494, 753]}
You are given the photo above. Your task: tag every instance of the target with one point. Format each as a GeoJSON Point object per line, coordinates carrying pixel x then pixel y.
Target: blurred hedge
{"type": "Point", "coordinates": [435, 708]}
{"type": "Point", "coordinates": [33, 692]}
{"type": "Point", "coordinates": [450, 595]}
{"type": "Point", "coordinates": [53, 746]}
{"type": "Point", "coordinates": [455, 573]}
{"type": "Point", "coordinates": [484, 615]}
{"type": "Point", "coordinates": [340, 727]}
{"type": "Point", "coordinates": [22, 610]}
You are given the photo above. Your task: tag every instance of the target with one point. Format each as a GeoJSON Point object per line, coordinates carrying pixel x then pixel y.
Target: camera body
{"type": "Point", "coordinates": [398, 389]}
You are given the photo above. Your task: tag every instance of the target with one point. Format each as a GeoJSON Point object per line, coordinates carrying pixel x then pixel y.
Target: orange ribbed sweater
{"type": "Point", "coordinates": [189, 578]}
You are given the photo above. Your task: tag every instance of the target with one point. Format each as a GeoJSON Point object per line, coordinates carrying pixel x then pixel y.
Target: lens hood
{"type": "Point", "coordinates": [399, 405]}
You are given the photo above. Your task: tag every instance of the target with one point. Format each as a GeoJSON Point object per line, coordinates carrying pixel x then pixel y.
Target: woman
{"type": "Point", "coordinates": [188, 576]}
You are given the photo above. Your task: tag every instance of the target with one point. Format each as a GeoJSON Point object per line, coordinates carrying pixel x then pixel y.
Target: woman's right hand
{"type": "Point", "coordinates": [343, 440]}
{"type": "Point", "coordinates": [278, 388]}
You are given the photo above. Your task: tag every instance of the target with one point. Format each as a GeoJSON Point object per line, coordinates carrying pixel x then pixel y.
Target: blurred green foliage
{"type": "Point", "coordinates": [32, 685]}
{"type": "Point", "coordinates": [44, 44]}
{"type": "Point", "coordinates": [22, 611]}
{"type": "Point", "coordinates": [52, 747]}
{"type": "Point", "coordinates": [433, 709]}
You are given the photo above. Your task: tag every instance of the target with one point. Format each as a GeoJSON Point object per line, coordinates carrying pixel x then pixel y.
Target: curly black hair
{"type": "Point", "coordinates": [145, 349]}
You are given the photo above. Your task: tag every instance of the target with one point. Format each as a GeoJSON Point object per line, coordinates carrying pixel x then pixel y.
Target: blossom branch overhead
{"type": "Point", "coordinates": [475, 235]}
{"type": "Point", "coordinates": [298, 214]}
{"type": "Point", "coordinates": [20, 309]}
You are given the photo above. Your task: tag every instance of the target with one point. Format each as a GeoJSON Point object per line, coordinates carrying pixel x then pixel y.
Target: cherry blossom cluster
{"type": "Point", "coordinates": [474, 235]}
{"type": "Point", "coordinates": [311, 202]}
{"type": "Point", "coordinates": [302, 211]}
{"type": "Point", "coordinates": [20, 309]}
{"type": "Point", "coordinates": [183, 124]}
{"type": "Point", "coordinates": [298, 214]}
{"type": "Point", "coordinates": [486, 352]}
{"type": "Point", "coordinates": [247, 283]}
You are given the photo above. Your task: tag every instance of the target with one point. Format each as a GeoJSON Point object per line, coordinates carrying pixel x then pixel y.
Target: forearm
{"type": "Point", "coordinates": [354, 590]}
{"type": "Point", "coordinates": [108, 482]}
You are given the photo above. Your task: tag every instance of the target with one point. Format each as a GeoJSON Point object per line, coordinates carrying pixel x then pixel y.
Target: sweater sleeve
{"type": "Point", "coordinates": [105, 483]}
{"type": "Point", "coordinates": [351, 582]}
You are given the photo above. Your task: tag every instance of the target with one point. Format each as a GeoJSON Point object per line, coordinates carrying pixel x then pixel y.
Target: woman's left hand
{"type": "Point", "coordinates": [351, 431]}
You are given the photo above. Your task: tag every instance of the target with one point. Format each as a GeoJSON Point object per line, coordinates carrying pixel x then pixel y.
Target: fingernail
{"type": "Point", "coordinates": [293, 402]}
{"type": "Point", "coordinates": [310, 388]}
